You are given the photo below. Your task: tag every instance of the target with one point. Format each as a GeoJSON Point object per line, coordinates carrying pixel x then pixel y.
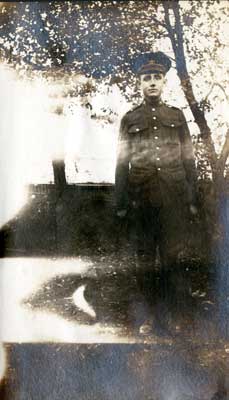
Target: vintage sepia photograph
{"type": "Point", "coordinates": [114, 219]}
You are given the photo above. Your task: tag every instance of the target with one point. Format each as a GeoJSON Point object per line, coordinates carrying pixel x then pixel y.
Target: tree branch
{"type": "Point", "coordinates": [221, 87]}
{"type": "Point", "coordinates": [177, 39]}
{"type": "Point", "coordinates": [169, 27]}
{"type": "Point", "coordinates": [160, 23]}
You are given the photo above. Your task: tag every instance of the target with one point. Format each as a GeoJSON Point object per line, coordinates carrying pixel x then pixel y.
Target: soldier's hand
{"type": "Point", "coordinates": [193, 214]}
{"type": "Point", "coordinates": [121, 213]}
{"type": "Point", "coordinates": [193, 210]}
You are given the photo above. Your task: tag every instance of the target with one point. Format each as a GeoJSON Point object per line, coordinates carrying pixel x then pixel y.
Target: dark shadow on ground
{"type": "Point", "coordinates": [77, 220]}
{"type": "Point", "coordinates": [189, 310]}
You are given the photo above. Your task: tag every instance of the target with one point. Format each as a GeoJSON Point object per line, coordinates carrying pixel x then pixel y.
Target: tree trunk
{"type": "Point", "coordinates": [176, 36]}
{"type": "Point", "coordinates": [175, 33]}
{"type": "Point", "coordinates": [59, 173]}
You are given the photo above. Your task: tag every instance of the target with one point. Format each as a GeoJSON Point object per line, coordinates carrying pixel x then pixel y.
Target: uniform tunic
{"type": "Point", "coordinates": [156, 174]}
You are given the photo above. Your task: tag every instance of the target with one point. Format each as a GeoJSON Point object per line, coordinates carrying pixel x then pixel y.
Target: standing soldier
{"type": "Point", "coordinates": [155, 178]}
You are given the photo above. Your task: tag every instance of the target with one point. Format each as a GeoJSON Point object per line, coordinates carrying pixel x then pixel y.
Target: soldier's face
{"type": "Point", "coordinates": [152, 85]}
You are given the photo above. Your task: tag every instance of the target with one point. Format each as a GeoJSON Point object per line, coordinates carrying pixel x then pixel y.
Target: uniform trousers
{"type": "Point", "coordinates": [158, 239]}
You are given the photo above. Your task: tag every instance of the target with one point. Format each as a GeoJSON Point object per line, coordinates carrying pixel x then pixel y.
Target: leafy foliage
{"type": "Point", "coordinates": [106, 39]}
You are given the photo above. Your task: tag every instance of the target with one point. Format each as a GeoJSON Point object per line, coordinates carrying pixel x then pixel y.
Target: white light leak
{"type": "Point", "coordinates": [18, 279]}
{"type": "Point", "coordinates": [30, 137]}
{"type": "Point", "coordinates": [2, 362]}
{"type": "Point", "coordinates": [21, 277]}
{"type": "Point", "coordinates": [38, 126]}
{"type": "Point", "coordinates": [12, 195]}
{"type": "Point", "coordinates": [81, 303]}
{"type": "Point", "coordinates": [90, 147]}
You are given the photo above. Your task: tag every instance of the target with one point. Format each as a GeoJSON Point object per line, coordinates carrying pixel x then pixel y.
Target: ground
{"type": "Point", "coordinates": [74, 324]}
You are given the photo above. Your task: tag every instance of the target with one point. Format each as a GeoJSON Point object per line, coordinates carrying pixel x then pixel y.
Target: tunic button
{"type": "Point", "coordinates": [159, 169]}
{"type": "Point", "coordinates": [154, 117]}
{"type": "Point", "coordinates": [153, 109]}
{"type": "Point", "coordinates": [172, 125]}
{"type": "Point", "coordinates": [158, 158]}
{"type": "Point", "coordinates": [156, 137]}
{"type": "Point", "coordinates": [158, 148]}
{"type": "Point", "coordinates": [137, 129]}
{"type": "Point", "coordinates": [155, 127]}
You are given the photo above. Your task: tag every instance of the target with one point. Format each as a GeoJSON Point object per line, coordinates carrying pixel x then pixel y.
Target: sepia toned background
{"type": "Point", "coordinates": [67, 73]}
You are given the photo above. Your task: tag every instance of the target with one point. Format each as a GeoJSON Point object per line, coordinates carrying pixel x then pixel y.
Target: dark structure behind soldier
{"type": "Point", "coordinates": [155, 177]}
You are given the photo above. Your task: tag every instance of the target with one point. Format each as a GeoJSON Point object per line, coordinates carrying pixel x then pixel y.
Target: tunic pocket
{"type": "Point", "coordinates": [137, 130]}
{"type": "Point", "coordinates": [171, 130]}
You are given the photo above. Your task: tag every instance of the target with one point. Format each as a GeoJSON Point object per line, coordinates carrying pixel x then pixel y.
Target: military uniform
{"type": "Point", "coordinates": [156, 177]}
{"type": "Point", "coordinates": [155, 180]}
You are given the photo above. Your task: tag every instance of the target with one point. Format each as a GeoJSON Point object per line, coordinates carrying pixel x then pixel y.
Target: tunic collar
{"type": "Point", "coordinates": [153, 104]}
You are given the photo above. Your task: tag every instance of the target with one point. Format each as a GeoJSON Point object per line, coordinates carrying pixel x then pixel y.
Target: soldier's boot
{"type": "Point", "coordinates": [162, 309]}
{"type": "Point", "coordinates": [143, 296]}
{"type": "Point", "coordinates": [155, 317]}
